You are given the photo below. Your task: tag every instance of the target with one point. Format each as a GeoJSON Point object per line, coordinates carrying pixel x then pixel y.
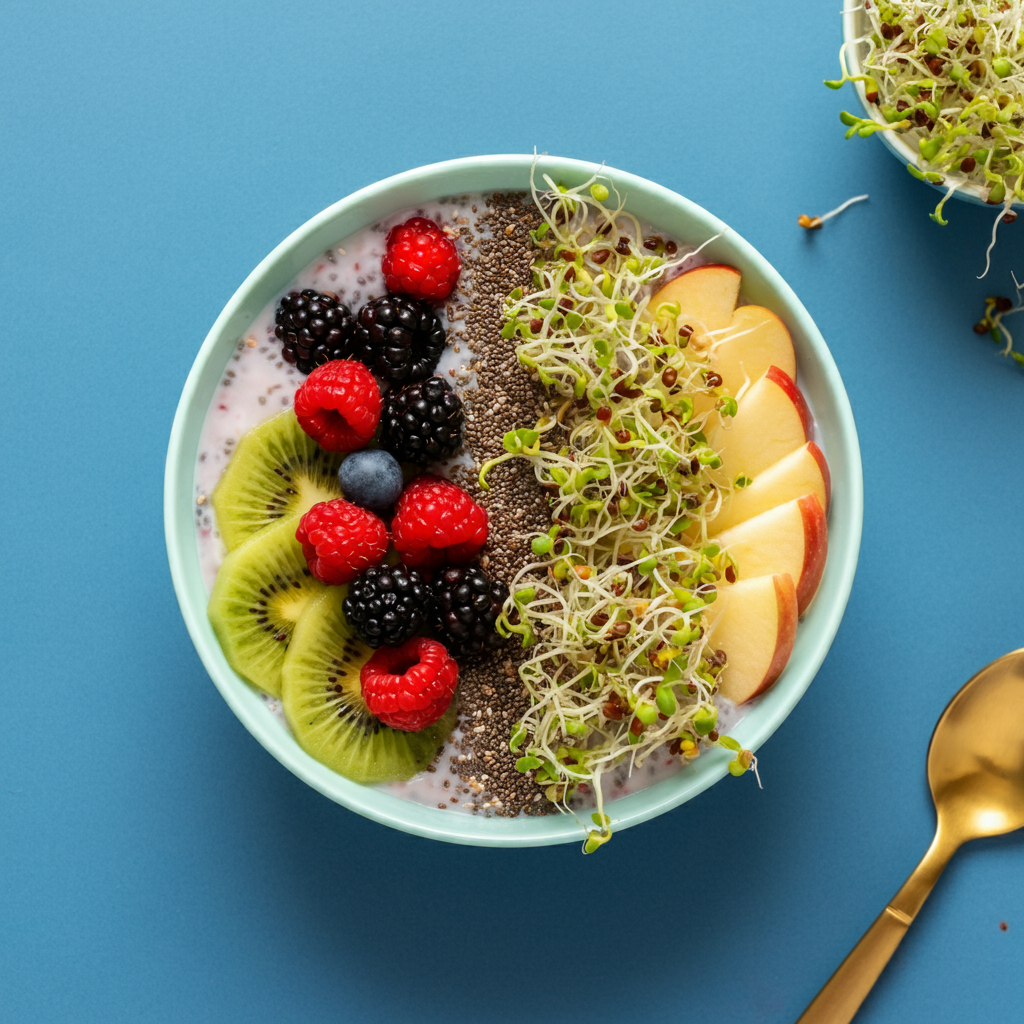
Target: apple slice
{"type": "Point", "coordinates": [754, 622]}
{"type": "Point", "coordinates": [804, 471]}
{"type": "Point", "coordinates": [706, 295]}
{"type": "Point", "coordinates": [742, 342]}
{"type": "Point", "coordinates": [772, 420]}
{"type": "Point", "coordinates": [755, 340]}
{"type": "Point", "coordinates": [791, 538]}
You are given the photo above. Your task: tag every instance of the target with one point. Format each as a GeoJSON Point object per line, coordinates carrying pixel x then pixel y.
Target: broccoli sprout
{"type": "Point", "coordinates": [812, 223]}
{"type": "Point", "coordinates": [949, 78]}
{"type": "Point", "coordinates": [996, 308]}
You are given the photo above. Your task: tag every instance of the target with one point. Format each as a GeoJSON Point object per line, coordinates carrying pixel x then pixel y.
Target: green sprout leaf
{"type": "Point", "coordinates": [517, 738]}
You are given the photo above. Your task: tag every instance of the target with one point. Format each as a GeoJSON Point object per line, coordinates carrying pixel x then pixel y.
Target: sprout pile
{"type": "Point", "coordinates": [950, 76]}
{"type": "Point", "coordinates": [618, 662]}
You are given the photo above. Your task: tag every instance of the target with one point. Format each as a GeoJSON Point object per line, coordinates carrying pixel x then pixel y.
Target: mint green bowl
{"type": "Point", "coordinates": [672, 214]}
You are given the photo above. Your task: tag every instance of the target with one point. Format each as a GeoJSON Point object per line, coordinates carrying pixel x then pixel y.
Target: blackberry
{"type": "Point", "coordinates": [398, 338]}
{"type": "Point", "coordinates": [423, 422]}
{"type": "Point", "coordinates": [313, 327]}
{"type": "Point", "coordinates": [388, 604]}
{"type": "Point", "coordinates": [467, 605]}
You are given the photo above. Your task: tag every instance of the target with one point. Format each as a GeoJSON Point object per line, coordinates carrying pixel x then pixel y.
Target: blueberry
{"type": "Point", "coordinates": [371, 478]}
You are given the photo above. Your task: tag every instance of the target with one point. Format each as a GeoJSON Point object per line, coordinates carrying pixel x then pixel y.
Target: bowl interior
{"type": "Point", "coordinates": [854, 28]}
{"type": "Point", "coordinates": [819, 380]}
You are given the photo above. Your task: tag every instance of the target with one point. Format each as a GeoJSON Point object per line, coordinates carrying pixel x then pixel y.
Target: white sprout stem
{"type": "Point", "coordinates": [995, 228]}
{"type": "Point", "coordinates": [757, 775]}
{"type": "Point", "coordinates": [842, 206]}
{"type": "Point", "coordinates": [1017, 308]}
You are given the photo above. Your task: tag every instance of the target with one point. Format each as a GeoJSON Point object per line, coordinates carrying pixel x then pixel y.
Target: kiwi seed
{"type": "Point", "coordinates": [262, 589]}
{"type": "Point", "coordinates": [323, 703]}
{"type": "Point", "coordinates": [278, 471]}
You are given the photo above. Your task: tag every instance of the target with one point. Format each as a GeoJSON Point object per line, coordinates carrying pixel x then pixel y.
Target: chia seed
{"type": "Point", "coordinates": [491, 697]}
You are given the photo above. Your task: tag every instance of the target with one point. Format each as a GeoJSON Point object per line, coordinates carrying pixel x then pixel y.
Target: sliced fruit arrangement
{"type": "Point", "coordinates": [772, 521]}
{"type": "Point", "coordinates": [771, 420]}
{"type": "Point", "coordinates": [754, 622]}
{"type": "Point", "coordinates": [322, 697]}
{"type": "Point", "coordinates": [303, 605]}
{"type": "Point", "coordinates": [741, 342]}
{"type": "Point", "coordinates": [676, 415]}
{"type": "Point", "coordinates": [790, 538]}
{"type": "Point", "coordinates": [689, 471]}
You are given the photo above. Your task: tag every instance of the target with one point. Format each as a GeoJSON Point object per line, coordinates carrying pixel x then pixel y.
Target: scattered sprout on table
{"type": "Point", "coordinates": [815, 222]}
{"type": "Point", "coordinates": [996, 308]}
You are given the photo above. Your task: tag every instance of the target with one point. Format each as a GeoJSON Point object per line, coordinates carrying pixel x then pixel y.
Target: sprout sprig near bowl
{"type": "Point", "coordinates": [943, 84]}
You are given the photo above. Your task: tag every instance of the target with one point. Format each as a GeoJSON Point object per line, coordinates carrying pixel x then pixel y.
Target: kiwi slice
{"type": "Point", "coordinates": [323, 703]}
{"type": "Point", "coordinates": [277, 471]}
{"type": "Point", "coordinates": [262, 589]}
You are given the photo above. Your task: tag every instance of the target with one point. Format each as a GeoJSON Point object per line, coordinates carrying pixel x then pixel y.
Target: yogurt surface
{"type": "Point", "coordinates": [258, 383]}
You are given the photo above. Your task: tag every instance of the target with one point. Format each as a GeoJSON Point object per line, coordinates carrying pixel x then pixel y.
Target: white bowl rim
{"type": "Point", "coordinates": [458, 827]}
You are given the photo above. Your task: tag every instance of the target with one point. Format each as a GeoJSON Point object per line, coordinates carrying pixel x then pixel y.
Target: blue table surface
{"type": "Point", "coordinates": [158, 864]}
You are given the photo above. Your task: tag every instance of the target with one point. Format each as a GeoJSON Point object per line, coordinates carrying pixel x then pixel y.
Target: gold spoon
{"type": "Point", "coordinates": [976, 775]}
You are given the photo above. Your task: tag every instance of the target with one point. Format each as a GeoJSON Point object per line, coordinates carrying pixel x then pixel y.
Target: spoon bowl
{"type": "Point", "coordinates": [976, 756]}
{"type": "Point", "coordinates": [976, 775]}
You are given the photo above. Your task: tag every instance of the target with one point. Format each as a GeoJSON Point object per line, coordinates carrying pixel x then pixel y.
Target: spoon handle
{"type": "Point", "coordinates": [843, 993]}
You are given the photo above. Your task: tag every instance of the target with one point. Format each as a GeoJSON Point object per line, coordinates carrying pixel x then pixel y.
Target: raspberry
{"type": "Point", "coordinates": [340, 540]}
{"type": "Point", "coordinates": [420, 261]}
{"type": "Point", "coordinates": [437, 523]}
{"type": "Point", "coordinates": [409, 687]}
{"type": "Point", "coordinates": [339, 405]}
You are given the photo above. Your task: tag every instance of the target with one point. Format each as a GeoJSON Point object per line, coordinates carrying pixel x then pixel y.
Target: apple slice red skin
{"type": "Point", "coordinates": [814, 532]}
{"type": "Point", "coordinates": [819, 457]}
{"type": "Point", "coordinates": [788, 385]}
{"type": "Point", "coordinates": [815, 550]}
{"type": "Point", "coordinates": [785, 637]}
{"type": "Point", "coordinates": [788, 616]}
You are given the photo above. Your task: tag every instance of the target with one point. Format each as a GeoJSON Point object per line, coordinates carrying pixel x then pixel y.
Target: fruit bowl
{"type": "Point", "coordinates": [822, 388]}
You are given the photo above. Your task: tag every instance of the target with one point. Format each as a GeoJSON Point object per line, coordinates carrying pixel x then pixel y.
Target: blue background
{"type": "Point", "coordinates": [158, 865]}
